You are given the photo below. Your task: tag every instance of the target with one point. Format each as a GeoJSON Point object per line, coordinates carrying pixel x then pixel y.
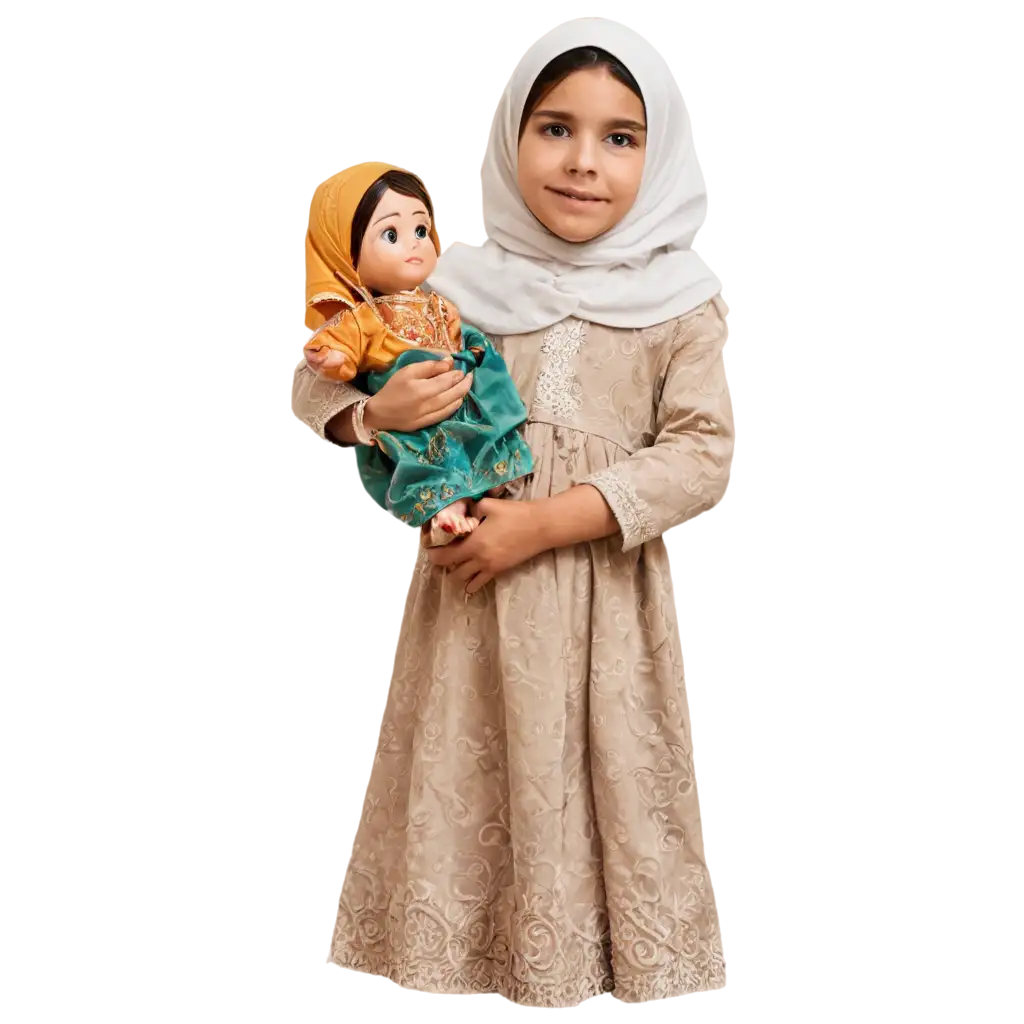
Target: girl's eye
{"type": "Point", "coordinates": [421, 231]}
{"type": "Point", "coordinates": [557, 131]}
{"type": "Point", "coordinates": [621, 141]}
{"type": "Point", "coordinates": [390, 236]}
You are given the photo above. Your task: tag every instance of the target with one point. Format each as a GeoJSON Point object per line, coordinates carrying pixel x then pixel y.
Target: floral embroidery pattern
{"type": "Point", "coordinates": [418, 318]}
{"type": "Point", "coordinates": [324, 399]}
{"type": "Point", "coordinates": [631, 511]}
{"type": "Point", "coordinates": [558, 389]}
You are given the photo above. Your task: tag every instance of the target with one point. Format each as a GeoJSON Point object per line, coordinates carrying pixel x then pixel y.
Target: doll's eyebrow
{"type": "Point", "coordinates": [387, 216]}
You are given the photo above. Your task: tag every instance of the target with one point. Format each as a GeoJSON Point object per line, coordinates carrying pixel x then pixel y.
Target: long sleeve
{"type": "Point", "coordinates": [686, 469]}
{"type": "Point", "coordinates": [316, 397]}
{"type": "Point", "coordinates": [316, 401]}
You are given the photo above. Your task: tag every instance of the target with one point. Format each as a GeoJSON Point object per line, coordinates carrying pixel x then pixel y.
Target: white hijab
{"type": "Point", "coordinates": [639, 273]}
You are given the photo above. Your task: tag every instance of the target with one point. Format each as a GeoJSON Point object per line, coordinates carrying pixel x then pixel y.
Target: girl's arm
{"type": "Point", "coordinates": [683, 473]}
{"type": "Point", "coordinates": [322, 403]}
{"type": "Point", "coordinates": [417, 396]}
{"type": "Point", "coordinates": [686, 470]}
{"type": "Point", "coordinates": [574, 516]}
{"type": "Point", "coordinates": [321, 395]}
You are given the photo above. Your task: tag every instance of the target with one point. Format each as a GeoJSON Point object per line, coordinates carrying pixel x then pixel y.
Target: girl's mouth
{"type": "Point", "coordinates": [576, 197]}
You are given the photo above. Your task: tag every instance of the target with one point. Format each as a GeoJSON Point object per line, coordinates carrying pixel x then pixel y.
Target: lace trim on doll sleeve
{"type": "Point", "coordinates": [329, 297]}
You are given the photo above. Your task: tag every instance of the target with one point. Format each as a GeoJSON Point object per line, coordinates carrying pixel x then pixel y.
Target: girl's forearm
{"type": "Point", "coordinates": [340, 429]}
{"type": "Point", "coordinates": [574, 516]}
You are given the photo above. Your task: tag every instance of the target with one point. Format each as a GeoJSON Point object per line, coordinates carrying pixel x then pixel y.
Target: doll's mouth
{"type": "Point", "coordinates": [414, 260]}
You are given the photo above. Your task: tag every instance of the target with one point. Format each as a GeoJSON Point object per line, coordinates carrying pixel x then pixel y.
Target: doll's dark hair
{"type": "Point", "coordinates": [582, 58]}
{"type": "Point", "coordinates": [404, 184]}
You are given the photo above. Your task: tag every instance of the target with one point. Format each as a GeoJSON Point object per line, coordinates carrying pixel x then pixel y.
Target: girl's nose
{"type": "Point", "coordinates": [582, 157]}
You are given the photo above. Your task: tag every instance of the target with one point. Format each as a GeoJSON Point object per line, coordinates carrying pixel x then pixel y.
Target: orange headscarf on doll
{"type": "Point", "coordinates": [330, 275]}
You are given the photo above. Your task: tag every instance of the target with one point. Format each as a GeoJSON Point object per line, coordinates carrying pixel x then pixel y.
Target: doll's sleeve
{"type": "Point", "coordinates": [686, 469]}
{"type": "Point", "coordinates": [336, 349]}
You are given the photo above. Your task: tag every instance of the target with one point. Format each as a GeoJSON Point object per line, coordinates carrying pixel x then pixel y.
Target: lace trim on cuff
{"type": "Point", "coordinates": [632, 513]}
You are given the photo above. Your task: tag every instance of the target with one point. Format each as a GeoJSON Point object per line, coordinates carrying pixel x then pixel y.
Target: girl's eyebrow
{"type": "Point", "coordinates": [633, 126]}
{"type": "Point", "coordinates": [564, 115]}
{"type": "Point", "coordinates": [559, 115]}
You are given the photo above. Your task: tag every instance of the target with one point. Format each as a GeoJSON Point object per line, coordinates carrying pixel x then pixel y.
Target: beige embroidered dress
{"type": "Point", "coordinates": [531, 825]}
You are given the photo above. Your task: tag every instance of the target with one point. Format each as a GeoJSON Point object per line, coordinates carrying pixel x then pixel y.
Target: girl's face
{"type": "Point", "coordinates": [396, 253]}
{"type": "Point", "coordinates": [581, 155]}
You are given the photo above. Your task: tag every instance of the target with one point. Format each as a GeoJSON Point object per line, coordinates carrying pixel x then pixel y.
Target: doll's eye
{"type": "Point", "coordinates": [390, 236]}
{"type": "Point", "coordinates": [421, 231]}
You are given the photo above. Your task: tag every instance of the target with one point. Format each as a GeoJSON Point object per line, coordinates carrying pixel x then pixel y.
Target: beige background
{"type": "Point", "coordinates": [196, 633]}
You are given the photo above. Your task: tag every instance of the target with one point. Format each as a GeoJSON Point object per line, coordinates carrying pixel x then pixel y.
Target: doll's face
{"type": "Point", "coordinates": [581, 155]}
{"type": "Point", "coordinates": [396, 253]}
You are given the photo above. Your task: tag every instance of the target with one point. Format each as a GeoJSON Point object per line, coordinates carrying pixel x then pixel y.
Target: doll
{"type": "Point", "coordinates": [370, 246]}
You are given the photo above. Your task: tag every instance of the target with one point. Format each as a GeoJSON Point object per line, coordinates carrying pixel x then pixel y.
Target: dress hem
{"type": "Point", "coordinates": [524, 994]}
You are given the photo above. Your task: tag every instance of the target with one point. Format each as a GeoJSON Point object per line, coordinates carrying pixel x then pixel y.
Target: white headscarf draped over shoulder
{"type": "Point", "coordinates": [639, 273]}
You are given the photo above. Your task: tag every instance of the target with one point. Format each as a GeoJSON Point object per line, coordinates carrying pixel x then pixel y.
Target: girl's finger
{"type": "Point", "coordinates": [442, 382]}
{"type": "Point", "coordinates": [450, 410]}
{"type": "Point", "coordinates": [448, 556]}
{"type": "Point", "coordinates": [436, 417]}
{"type": "Point", "coordinates": [428, 368]}
{"type": "Point", "coordinates": [465, 572]}
{"type": "Point", "coordinates": [455, 394]}
{"type": "Point", "coordinates": [485, 506]}
{"type": "Point", "coordinates": [478, 582]}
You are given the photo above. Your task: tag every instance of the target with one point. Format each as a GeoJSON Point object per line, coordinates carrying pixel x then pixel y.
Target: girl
{"type": "Point", "coordinates": [531, 824]}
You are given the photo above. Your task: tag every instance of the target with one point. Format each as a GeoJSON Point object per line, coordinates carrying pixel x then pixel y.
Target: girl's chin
{"type": "Point", "coordinates": [582, 225]}
{"type": "Point", "coordinates": [573, 229]}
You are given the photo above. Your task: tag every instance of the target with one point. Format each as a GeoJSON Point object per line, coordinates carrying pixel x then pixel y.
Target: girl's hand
{"type": "Point", "coordinates": [417, 396]}
{"type": "Point", "coordinates": [512, 532]}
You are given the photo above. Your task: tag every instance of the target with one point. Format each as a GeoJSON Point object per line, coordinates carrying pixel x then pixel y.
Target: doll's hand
{"type": "Point", "coordinates": [417, 396]}
{"type": "Point", "coordinates": [326, 362]}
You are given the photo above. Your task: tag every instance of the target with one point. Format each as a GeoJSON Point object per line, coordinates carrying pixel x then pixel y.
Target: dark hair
{"type": "Point", "coordinates": [580, 59]}
{"type": "Point", "coordinates": [397, 181]}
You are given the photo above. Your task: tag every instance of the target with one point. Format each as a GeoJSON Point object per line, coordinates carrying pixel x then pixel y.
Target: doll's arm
{"type": "Point", "coordinates": [335, 351]}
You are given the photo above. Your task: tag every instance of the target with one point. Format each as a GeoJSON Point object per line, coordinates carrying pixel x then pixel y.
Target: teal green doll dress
{"type": "Point", "coordinates": [416, 474]}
